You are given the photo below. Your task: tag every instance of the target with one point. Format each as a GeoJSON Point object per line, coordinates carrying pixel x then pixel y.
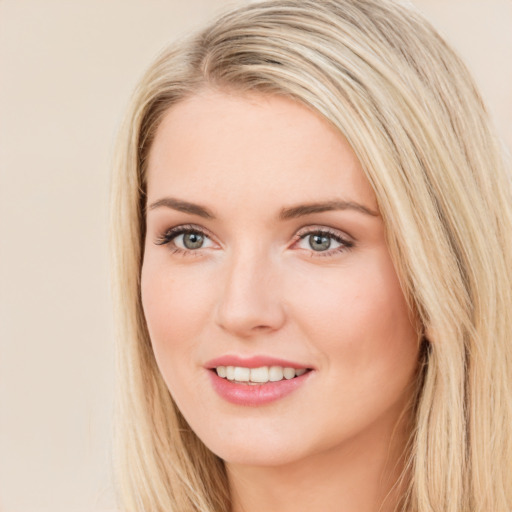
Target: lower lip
{"type": "Point", "coordinates": [254, 395]}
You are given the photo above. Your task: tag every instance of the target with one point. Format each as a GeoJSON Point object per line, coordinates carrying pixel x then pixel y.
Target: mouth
{"type": "Point", "coordinates": [258, 376]}
{"type": "Point", "coordinates": [257, 380]}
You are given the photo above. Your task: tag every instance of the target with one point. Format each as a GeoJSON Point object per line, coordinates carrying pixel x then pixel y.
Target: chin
{"type": "Point", "coordinates": [257, 448]}
{"type": "Point", "coordinates": [257, 455]}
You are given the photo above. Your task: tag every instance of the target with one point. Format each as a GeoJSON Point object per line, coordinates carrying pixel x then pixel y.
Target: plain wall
{"type": "Point", "coordinates": [67, 68]}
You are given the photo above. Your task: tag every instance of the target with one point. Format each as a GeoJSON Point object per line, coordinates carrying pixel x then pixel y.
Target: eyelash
{"type": "Point", "coordinates": [345, 244]}
{"type": "Point", "coordinates": [168, 237]}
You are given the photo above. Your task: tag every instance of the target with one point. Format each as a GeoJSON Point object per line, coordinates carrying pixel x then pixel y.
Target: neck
{"type": "Point", "coordinates": [363, 474]}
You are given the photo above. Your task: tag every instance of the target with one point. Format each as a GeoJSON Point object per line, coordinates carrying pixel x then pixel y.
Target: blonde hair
{"type": "Point", "coordinates": [388, 82]}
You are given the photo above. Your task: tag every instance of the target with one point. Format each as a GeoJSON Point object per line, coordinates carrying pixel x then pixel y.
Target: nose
{"type": "Point", "coordinates": [250, 299]}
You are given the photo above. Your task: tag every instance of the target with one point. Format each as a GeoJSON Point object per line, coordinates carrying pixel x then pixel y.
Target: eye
{"type": "Point", "coordinates": [185, 239]}
{"type": "Point", "coordinates": [324, 242]}
{"type": "Point", "coordinates": [190, 240]}
{"type": "Point", "coordinates": [319, 241]}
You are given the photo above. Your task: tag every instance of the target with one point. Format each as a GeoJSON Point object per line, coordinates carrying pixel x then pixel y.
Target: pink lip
{"type": "Point", "coordinates": [252, 362]}
{"type": "Point", "coordinates": [259, 394]}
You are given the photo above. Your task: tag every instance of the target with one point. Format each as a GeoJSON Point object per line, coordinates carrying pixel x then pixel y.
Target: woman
{"type": "Point", "coordinates": [312, 240]}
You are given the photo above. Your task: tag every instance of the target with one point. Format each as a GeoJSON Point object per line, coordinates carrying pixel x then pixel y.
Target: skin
{"type": "Point", "coordinates": [256, 287]}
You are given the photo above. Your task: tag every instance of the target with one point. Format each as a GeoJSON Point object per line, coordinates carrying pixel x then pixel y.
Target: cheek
{"type": "Point", "coordinates": [358, 317]}
{"type": "Point", "coordinates": [359, 325]}
{"type": "Point", "coordinates": [176, 308]}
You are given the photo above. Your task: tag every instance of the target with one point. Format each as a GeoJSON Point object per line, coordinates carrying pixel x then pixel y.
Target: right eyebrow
{"type": "Point", "coordinates": [182, 206]}
{"type": "Point", "coordinates": [327, 206]}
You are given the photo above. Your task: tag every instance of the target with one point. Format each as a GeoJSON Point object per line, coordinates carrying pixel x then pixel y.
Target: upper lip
{"type": "Point", "coordinates": [255, 361]}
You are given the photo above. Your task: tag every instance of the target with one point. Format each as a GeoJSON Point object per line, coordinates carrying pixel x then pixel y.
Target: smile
{"type": "Point", "coordinates": [261, 375]}
{"type": "Point", "coordinates": [258, 386]}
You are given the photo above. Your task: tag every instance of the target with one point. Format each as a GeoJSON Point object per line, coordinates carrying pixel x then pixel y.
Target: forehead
{"type": "Point", "coordinates": [232, 148]}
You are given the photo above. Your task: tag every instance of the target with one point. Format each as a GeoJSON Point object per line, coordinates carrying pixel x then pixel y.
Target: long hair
{"type": "Point", "coordinates": [379, 73]}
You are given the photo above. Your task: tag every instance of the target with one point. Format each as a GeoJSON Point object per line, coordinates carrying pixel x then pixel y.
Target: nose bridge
{"type": "Point", "coordinates": [250, 294]}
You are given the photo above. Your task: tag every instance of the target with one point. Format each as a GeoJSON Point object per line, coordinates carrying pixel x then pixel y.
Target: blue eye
{"type": "Point", "coordinates": [191, 240]}
{"type": "Point", "coordinates": [319, 242]}
{"type": "Point", "coordinates": [185, 238]}
{"type": "Point", "coordinates": [323, 241]}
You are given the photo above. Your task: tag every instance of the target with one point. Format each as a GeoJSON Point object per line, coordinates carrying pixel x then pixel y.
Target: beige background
{"type": "Point", "coordinates": [66, 70]}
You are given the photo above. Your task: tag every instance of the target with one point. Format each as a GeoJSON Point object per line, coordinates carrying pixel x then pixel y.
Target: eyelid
{"type": "Point", "coordinates": [318, 228]}
{"type": "Point", "coordinates": [168, 235]}
{"type": "Point", "coordinates": [346, 241]}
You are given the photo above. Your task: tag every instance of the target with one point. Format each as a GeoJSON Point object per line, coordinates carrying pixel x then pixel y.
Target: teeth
{"type": "Point", "coordinates": [275, 373]}
{"type": "Point", "coordinates": [242, 374]}
{"type": "Point", "coordinates": [289, 373]}
{"type": "Point", "coordinates": [259, 375]}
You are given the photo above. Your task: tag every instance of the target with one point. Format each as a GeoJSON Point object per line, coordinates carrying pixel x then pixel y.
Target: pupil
{"type": "Point", "coordinates": [319, 242]}
{"type": "Point", "coordinates": [193, 240]}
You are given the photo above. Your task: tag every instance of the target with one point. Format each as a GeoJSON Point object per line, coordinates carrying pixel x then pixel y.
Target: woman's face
{"type": "Point", "coordinates": [265, 252]}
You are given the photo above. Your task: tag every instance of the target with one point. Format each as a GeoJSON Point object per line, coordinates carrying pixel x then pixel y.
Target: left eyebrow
{"type": "Point", "coordinates": [307, 209]}
{"type": "Point", "coordinates": [182, 206]}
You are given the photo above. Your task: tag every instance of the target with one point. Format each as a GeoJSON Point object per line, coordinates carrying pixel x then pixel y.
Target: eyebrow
{"type": "Point", "coordinates": [292, 212]}
{"type": "Point", "coordinates": [307, 209]}
{"type": "Point", "coordinates": [182, 206]}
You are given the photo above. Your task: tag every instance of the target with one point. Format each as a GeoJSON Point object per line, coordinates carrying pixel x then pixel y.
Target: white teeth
{"type": "Point", "coordinates": [242, 374]}
{"type": "Point", "coordinates": [230, 372]}
{"type": "Point", "coordinates": [289, 373]}
{"type": "Point", "coordinates": [259, 375]}
{"type": "Point", "coordinates": [275, 373]}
